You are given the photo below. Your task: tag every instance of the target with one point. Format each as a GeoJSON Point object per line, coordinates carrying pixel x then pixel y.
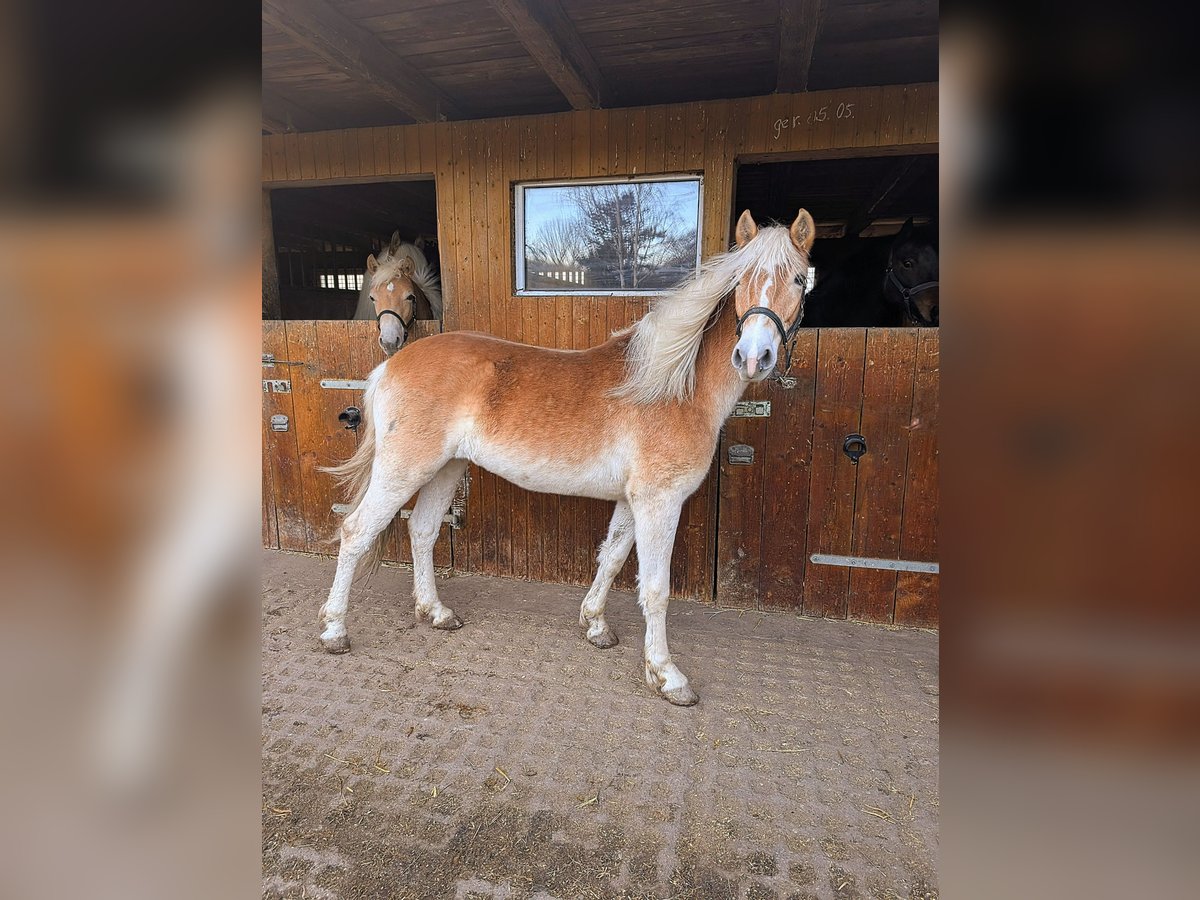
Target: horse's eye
{"type": "Point", "coordinates": [908, 263]}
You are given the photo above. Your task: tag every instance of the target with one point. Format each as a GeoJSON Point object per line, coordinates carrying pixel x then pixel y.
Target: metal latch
{"type": "Point", "coordinates": [351, 417]}
{"type": "Point", "coordinates": [279, 423]}
{"type": "Point", "coordinates": [854, 446]}
{"type": "Point", "coordinates": [741, 455]}
{"type": "Point", "coordinates": [752, 409]}
{"type": "Point", "coordinates": [276, 386]}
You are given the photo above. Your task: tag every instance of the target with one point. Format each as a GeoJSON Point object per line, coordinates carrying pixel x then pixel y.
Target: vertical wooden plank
{"type": "Point", "coordinates": [780, 115]}
{"type": "Point", "coordinates": [316, 437]}
{"type": "Point", "coordinates": [410, 137]}
{"type": "Point", "coordinates": [840, 361]}
{"type": "Point", "coordinates": [397, 163]}
{"type": "Point", "coordinates": [636, 145]}
{"type": "Point", "coordinates": [654, 161]}
{"type": "Point", "coordinates": [278, 157]}
{"type": "Point", "coordinates": [931, 124]}
{"type": "Point", "coordinates": [879, 496]}
{"type": "Point", "coordinates": [891, 116]}
{"type": "Point", "coordinates": [281, 449]}
{"type": "Point", "coordinates": [824, 118]}
{"type": "Point", "coordinates": [740, 492]}
{"type": "Point", "coordinates": [618, 142]}
{"type": "Point", "coordinates": [268, 172]}
{"type": "Point", "coordinates": [427, 137]}
{"type": "Point", "coordinates": [382, 152]}
{"type": "Point", "coordinates": [844, 111]}
{"type": "Point", "coordinates": [675, 137]}
{"type": "Point", "coordinates": [350, 152]}
{"type": "Point", "coordinates": [335, 148]}
{"type": "Point", "coordinates": [291, 150]}
{"type": "Point", "coordinates": [308, 156]}
{"type": "Point", "coordinates": [693, 141]}
{"type": "Point", "coordinates": [758, 130]}
{"type": "Point", "coordinates": [321, 155]}
{"type": "Point", "coordinates": [366, 150]}
{"type": "Point", "coordinates": [917, 594]}
{"type": "Point", "coordinates": [917, 100]}
{"type": "Point", "coordinates": [600, 158]}
{"type": "Point", "coordinates": [867, 111]}
{"type": "Point", "coordinates": [787, 458]}
{"type": "Point", "coordinates": [581, 143]}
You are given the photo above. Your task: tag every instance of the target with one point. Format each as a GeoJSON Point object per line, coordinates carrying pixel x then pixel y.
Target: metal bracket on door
{"type": "Point", "coordinates": [276, 386]}
{"type": "Point", "coordinates": [452, 519]}
{"type": "Point", "coordinates": [867, 562]}
{"type": "Point", "coordinates": [751, 409]}
{"type": "Point", "coordinates": [344, 384]}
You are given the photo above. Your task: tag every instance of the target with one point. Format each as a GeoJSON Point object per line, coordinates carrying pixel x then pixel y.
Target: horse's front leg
{"type": "Point", "coordinates": [656, 517]}
{"type": "Point", "coordinates": [613, 553]}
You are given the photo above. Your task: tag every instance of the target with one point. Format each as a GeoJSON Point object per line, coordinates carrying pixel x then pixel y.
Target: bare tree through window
{"type": "Point", "coordinates": [623, 236]}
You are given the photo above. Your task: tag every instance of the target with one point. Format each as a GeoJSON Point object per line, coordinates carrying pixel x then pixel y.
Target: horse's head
{"type": "Point", "coordinates": [769, 297]}
{"type": "Point", "coordinates": [394, 295]}
{"type": "Point", "coordinates": [911, 280]}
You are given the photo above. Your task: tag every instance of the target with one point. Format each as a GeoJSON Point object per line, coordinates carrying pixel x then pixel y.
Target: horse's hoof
{"type": "Point", "coordinates": [681, 696]}
{"type": "Point", "coordinates": [604, 639]}
{"type": "Point", "coordinates": [451, 624]}
{"type": "Point", "coordinates": [339, 644]}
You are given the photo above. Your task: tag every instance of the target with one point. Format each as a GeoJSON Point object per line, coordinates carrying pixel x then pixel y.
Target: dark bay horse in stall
{"type": "Point", "coordinates": [879, 283]}
{"type": "Point", "coordinates": [634, 420]}
{"type": "Point", "coordinates": [411, 291]}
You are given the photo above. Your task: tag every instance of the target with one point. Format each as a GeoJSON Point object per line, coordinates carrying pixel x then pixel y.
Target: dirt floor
{"type": "Point", "coordinates": [512, 759]}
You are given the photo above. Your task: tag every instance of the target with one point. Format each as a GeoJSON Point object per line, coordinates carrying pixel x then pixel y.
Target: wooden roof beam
{"type": "Point", "coordinates": [280, 115]}
{"type": "Point", "coordinates": [551, 39]}
{"type": "Point", "coordinates": [799, 25]}
{"type": "Point", "coordinates": [895, 181]}
{"type": "Point", "coordinates": [356, 52]}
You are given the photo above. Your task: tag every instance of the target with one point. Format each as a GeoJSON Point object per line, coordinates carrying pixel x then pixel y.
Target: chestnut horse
{"type": "Point", "coordinates": [634, 420]}
{"type": "Point", "coordinates": [412, 292]}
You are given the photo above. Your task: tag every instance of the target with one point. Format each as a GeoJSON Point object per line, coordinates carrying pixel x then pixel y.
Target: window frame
{"type": "Point", "coordinates": [519, 188]}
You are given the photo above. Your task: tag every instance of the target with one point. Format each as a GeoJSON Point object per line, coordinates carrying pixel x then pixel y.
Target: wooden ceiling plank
{"type": "Point", "coordinates": [551, 39]}
{"type": "Point", "coordinates": [799, 24]}
{"type": "Point", "coordinates": [351, 49]}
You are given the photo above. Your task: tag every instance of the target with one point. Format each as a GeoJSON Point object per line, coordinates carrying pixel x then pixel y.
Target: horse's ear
{"type": "Point", "coordinates": [906, 230]}
{"type": "Point", "coordinates": [406, 266]}
{"type": "Point", "coordinates": [746, 229]}
{"type": "Point", "coordinates": [372, 264]}
{"type": "Point", "coordinates": [803, 231]}
{"type": "Point", "coordinates": [419, 243]}
{"type": "Point", "coordinates": [395, 243]}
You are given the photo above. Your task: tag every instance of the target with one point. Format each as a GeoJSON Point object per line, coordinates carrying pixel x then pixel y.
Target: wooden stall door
{"type": "Point", "coordinates": [298, 356]}
{"type": "Point", "coordinates": [803, 495]}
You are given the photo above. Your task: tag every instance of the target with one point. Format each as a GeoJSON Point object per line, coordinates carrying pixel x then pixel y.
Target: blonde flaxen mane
{"type": "Point", "coordinates": [661, 358]}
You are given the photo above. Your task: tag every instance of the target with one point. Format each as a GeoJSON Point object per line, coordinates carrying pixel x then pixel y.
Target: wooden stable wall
{"type": "Point", "coordinates": [475, 163]}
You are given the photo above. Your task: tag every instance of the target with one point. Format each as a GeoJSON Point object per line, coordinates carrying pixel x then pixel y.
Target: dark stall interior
{"type": "Point", "coordinates": [859, 205]}
{"type": "Point", "coordinates": [323, 236]}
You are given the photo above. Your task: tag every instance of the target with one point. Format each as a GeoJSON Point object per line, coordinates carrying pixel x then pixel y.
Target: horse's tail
{"type": "Point", "coordinates": [354, 475]}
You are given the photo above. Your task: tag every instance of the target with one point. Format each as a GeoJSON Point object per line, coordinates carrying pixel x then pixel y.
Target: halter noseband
{"type": "Point", "coordinates": [907, 293]}
{"type": "Point", "coordinates": [403, 324]}
{"type": "Point", "coordinates": [787, 335]}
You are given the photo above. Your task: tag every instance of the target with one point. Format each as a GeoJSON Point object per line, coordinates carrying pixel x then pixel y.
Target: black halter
{"type": "Point", "coordinates": [405, 325]}
{"type": "Point", "coordinates": [787, 335]}
{"type": "Point", "coordinates": [907, 294]}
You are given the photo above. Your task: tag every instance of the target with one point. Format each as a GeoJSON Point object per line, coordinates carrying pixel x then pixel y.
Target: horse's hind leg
{"type": "Point", "coordinates": [423, 528]}
{"type": "Point", "coordinates": [613, 553]}
{"type": "Point", "coordinates": [360, 529]}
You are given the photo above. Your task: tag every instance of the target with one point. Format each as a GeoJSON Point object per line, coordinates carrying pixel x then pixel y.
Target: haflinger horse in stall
{"type": "Point", "coordinates": [401, 286]}
{"type": "Point", "coordinates": [634, 420]}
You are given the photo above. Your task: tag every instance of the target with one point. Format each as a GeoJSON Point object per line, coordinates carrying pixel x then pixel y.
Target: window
{"type": "Point", "coordinates": [617, 236]}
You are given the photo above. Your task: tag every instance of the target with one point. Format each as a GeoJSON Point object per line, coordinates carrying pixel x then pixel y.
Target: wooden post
{"type": "Point", "coordinates": [271, 306]}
